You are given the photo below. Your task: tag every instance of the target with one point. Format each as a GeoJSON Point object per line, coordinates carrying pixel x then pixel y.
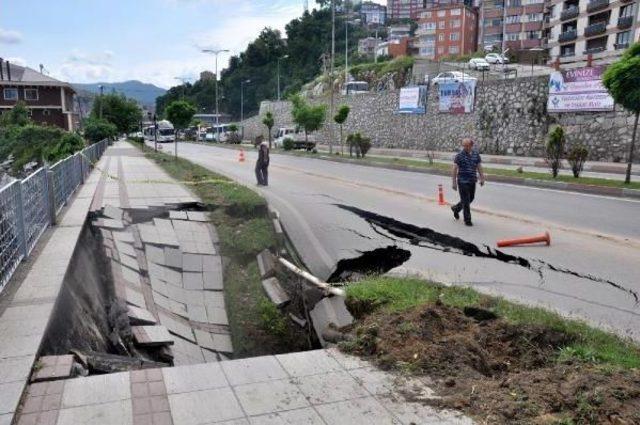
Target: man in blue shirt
{"type": "Point", "coordinates": [466, 167]}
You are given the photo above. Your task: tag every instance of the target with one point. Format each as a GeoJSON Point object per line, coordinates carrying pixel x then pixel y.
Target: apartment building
{"type": "Point", "coordinates": [411, 9]}
{"type": "Point", "coordinates": [600, 28]}
{"type": "Point", "coordinates": [373, 13]}
{"type": "Point", "coordinates": [447, 30]}
{"type": "Point", "coordinates": [518, 26]}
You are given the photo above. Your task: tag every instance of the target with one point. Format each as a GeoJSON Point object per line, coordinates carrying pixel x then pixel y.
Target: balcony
{"type": "Point", "coordinates": [595, 29]}
{"type": "Point", "coordinates": [593, 50]}
{"type": "Point", "coordinates": [567, 36]}
{"type": "Point", "coordinates": [595, 5]}
{"type": "Point", "coordinates": [625, 22]}
{"type": "Point", "coordinates": [426, 31]}
{"type": "Point", "coordinates": [533, 26]}
{"type": "Point", "coordinates": [621, 46]}
{"type": "Point", "coordinates": [569, 13]}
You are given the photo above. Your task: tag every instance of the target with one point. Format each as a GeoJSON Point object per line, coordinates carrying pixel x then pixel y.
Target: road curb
{"type": "Point", "coordinates": [569, 187]}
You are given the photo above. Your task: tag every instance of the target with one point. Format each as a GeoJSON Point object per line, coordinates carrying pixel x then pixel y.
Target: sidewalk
{"type": "Point", "coordinates": [316, 387]}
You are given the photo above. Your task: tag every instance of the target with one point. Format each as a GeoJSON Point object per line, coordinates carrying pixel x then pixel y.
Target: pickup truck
{"type": "Point", "coordinates": [297, 136]}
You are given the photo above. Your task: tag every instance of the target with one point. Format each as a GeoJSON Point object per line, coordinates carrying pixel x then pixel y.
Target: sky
{"type": "Point", "coordinates": [153, 41]}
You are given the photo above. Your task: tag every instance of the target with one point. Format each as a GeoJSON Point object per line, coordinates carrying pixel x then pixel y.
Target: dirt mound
{"type": "Point", "coordinates": [497, 371]}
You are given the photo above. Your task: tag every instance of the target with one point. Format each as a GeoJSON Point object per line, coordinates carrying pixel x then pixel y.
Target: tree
{"type": "Point", "coordinates": [96, 130]}
{"type": "Point", "coordinates": [18, 115]}
{"type": "Point", "coordinates": [180, 113]}
{"type": "Point", "coordinates": [555, 150]}
{"type": "Point", "coordinates": [268, 121]}
{"type": "Point", "coordinates": [576, 157]}
{"type": "Point", "coordinates": [122, 112]}
{"type": "Point", "coordinates": [622, 80]}
{"type": "Point", "coordinates": [310, 118]}
{"type": "Point", "coordinates": [340, 118]}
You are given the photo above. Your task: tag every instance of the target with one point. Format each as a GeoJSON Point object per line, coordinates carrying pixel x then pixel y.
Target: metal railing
{"type": "Point", "coordinates": [29, 206]}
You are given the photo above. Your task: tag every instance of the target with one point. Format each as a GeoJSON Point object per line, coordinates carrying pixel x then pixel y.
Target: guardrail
{"type": "Point", "coordinates": [29, 206]}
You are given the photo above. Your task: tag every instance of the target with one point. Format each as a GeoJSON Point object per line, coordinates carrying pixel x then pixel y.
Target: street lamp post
{"type": "Point", "coordinates": [155, 133]}
{"type": "Point", "coordinates": [101, 100]}
{"type": "Point", "coordinates": [242, 83]}
{"type": "Point", "coordinates": [333, 58]}
{"type": "Point", "coordinates": [216, 53]}
{"type": "Point", "coordinates": [278, 61]}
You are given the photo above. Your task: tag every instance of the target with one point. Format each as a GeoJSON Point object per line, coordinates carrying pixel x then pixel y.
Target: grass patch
{"type": "Point", "coordinates": [392, 295]}
{"type": "Point", "coordinates": [240, 216]}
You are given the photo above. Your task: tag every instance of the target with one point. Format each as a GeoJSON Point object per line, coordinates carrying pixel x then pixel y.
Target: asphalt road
{"type": "Point", "coordinates": [334, 212]}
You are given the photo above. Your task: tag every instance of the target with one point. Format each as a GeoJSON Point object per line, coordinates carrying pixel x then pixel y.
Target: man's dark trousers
{"type": "Point", "coordinates": [262, 174]}
{"type": "Point", "coordinates": [467, 193]}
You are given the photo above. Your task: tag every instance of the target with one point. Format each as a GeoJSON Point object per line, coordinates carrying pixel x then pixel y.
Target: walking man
{"type": "Point", "coordinates": [262, 165]}
{"type": "Point", "coordinates": [467, 165]}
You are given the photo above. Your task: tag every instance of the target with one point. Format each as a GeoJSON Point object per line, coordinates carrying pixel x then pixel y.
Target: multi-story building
{"type": "Point", "coordinates": [48, 100]}
{"type": "Point", "coordinates": [411, 9]}
{"type": "Point", "coordinates": [600, 28]}
{"type": "Point", "coordinates": [516, 27]}
{"type": "Point", "coordinates": [373, 13]}
{"type": "Point", "coordinates": [447, 30]}
{"type": "Point", "coordinates": [367, 46]}
{"type": "Point", "coordinates": [398, 32]}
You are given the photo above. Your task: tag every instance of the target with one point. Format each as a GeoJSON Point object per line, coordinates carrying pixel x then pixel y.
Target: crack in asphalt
{"type": "Point", "coordinates": [428, 238]}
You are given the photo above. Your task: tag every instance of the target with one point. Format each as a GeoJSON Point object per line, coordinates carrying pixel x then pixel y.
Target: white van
{"type": "Point", "coordinates": [166, 132]}
{"type": "Point", "coordinates": [355, 87]}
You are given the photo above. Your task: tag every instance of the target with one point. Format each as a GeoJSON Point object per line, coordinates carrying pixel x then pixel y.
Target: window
{"type": "Point", "coordinates": [440, 50]}
{"type": "Point", "coordinates": [513, 37]}
{"type": "Point", "coordinates": [454, 36]}
{"type": "Point", "coordinates": [493, 23]}
{"type": "Point", "coordinates": [454, 50]}
{"type": "Point", "coordinates": [30, 112]}
{"type": "Point", "coordinates": [442, 25]}
{"type": "Point", "coordinates": [46, 112]}
{"type": "Point", "coordinates": [10, 94]}
{"type": "Point", "coordinates": [514, 3]}
{"type": "Point", "coordinates": [513, 19]}
{"type": "Point", "coordinates": [568, 50]}
{"type": "Point", "coordinates": [534, 17]}
{"type": "Point", "coordinates": [430, 26]}
{"type": "Point", "coordinates": [426, 14]}
{"type": "Point", "coordinates": [534, 35]}
{"type": "Point", "coordinates": [442, 13]}
{"type": "Point", "coordinates": [455, 12]}
{"type": "Point", "coordinates": [30, 94]}
{"type": "Point", "coordinates": [440, 37]}
{"type": "Point", "coordinates": [455, 23]}
{"type": "Point", "coordinates": [626, 11]}
{"type": "Point", "coordinates": [623, 39]}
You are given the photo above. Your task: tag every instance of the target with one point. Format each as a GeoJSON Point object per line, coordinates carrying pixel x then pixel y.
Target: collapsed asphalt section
{"type": "Point", "coordinates": [425, 237]}
{"type": "Point", "coordinates": [378, 261]}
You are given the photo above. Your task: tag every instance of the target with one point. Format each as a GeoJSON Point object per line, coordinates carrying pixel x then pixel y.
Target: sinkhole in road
{"type": "Point", "coordinates": [425, 237]}
{"type": "Point", "coordinates": [377, 261]}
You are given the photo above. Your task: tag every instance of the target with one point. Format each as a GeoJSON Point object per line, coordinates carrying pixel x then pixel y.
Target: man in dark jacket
{"type": "Point", "coordinates": [466, 168]}
{"type": "Point", "coordinates": [262, 165]}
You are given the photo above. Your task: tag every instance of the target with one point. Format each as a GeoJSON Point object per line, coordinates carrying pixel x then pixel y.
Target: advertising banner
{"type": "Point", "coordinates": [578, 89]}
{"type": "Point", "coordinates": [413, 100]}
{"type": "Point", "coordinates": [457, 97]}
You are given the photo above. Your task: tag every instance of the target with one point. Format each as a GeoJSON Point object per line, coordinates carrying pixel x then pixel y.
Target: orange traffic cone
{"type": "Point", "coordinates": [241, 156]}
{"type": "Point", "coordinates": [527, 240]}
{"type": "Point", "coordinates": [441, 200]}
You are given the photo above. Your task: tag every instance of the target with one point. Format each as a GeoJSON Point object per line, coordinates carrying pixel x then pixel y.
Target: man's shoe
{"type": "Point", "coordinates": [468, 223]}
{"type": "Point", "coordinates": [456, 213]}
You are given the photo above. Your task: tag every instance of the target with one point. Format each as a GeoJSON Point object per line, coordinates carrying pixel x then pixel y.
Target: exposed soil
{"type": "Point", "coordinates": [494, 371]}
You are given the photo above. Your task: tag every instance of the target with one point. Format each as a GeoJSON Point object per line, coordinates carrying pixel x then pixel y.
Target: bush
{"type": "Point", "coordinates": [359, 143]}
{"type": "Point", "coordinates": [288, 144]}
{"type": "Point", "coordinates": [234, 138]}
{"type": "Point", "coordinates": [576, 157]}
{"type": "Point", "coordinates": [35, 143]}
{"type": "Point", "coordinates": [96, 129]}
{"type": "Point", "coordinates": [555, 150]}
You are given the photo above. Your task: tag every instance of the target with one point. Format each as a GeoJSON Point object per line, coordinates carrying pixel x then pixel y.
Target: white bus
{"type": "Point", "coordinates": [222, 129]}
{"type": "Point", "coordinates": [166, 132]}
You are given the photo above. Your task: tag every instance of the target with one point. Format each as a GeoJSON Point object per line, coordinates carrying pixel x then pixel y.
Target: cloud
{"type": "Point", "coordinates": [17, 61]}
{"type": "Point", "coordinates": [80, 67]}
{"type": "Point", "coordinates": [10, 37]}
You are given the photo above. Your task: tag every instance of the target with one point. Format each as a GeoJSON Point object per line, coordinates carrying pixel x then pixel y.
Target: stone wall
{"type": "Point", "coordinates": [510, 118]}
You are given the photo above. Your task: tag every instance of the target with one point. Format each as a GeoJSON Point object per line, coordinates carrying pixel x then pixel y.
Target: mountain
{"type": "Point", "coordinates": [142, 92]}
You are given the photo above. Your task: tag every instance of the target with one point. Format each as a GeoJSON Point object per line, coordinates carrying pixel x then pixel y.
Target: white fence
{"type": "Point", "coordinates": [29, 206]}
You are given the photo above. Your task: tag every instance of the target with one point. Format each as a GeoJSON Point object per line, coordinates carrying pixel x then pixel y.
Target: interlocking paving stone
{"type": "Point", "coordinates": [186, 353]}
{"type": "Point", "coordinates": [19, 346]}
{"type": "Point", "coordinates": [410, 412]}
{"type": "Point", "coordinates": [96, 389]}
{"type": "Point", "coordinates": [222, 343]}
{"type": "Point", "coordinates": [53, 367]}
{"type": "Point", "coordinates": [268, 397]}
{"type": "Point", "coordinates": [194, 378]}
{"type": "Point", "coordinates": [131, 263]}
{"type": "Point", "coordinates": [151, 335]}
{"type": "Point", "coordinates": [211, 263]}
{"type": "Point", "coordinates": [197, 216]}
{"type": "Point", "coordinates": [15, 369]}
{"type": "Point", "coordinates": [112, 212]}
{"type": "Point", "coordinates": [10, 396]}
{"type": "Point", "coordinates": [163, 225]}
{"type": "Point", "coordinates": [8, 418]}
{"type": "Point", "coordinates": [347, 361]}
{"type": "Point", "coordinates": [154, 254]}
{"type": "Point", "coordinates": [134, 297]}
{"type": "Point", "coordinates": [131, 276]}
{"type": "Point", "coordinates": [197, 313]}
{"type": "Point", "coordinates": [213, 281]}
{"type": "Point", "coordinates": [173, 257]}
{"type": "Point", "coordinates": [209, 356]}
{"type": "Point", "coordinates": [140, 316]}
{"type": "Point", "coordinates": [123, 236]}
{"type": "Point", "coordinates": [306, 416]}
{"type": "Point", "coordinates": [214, 299]}
{"type": "Point", "coordinates": [208, 406]}
{"type": "Point", "coordinates": [308, 363]}
{"type": "Point", "coordinates": [177, 327]}
{"type": "Point", "coordinates": [204, 339]}
{"type": "Point", "coordinates": [178, 215]}
{"type": "Point", "coordinates": [178, 308]}
{"type": "Point", "coordinates": [125, 248]}
{"type": "Point", "coordinates": [330, 387]}
{"type": "Point", "coordinates": [217, 315]}
{"type": "Point", "coordinates": [192, 280]}
{"type": "Point", "coordinates": [359, 411]}
{"type": "Point", "coordinates": [257, 369]}
{"type": "Point", "coordinates": [161, 300]}
{"type": "Point", "coordinates": [192, 262]}
{"type": "Point", "coordinates": [111, 413]}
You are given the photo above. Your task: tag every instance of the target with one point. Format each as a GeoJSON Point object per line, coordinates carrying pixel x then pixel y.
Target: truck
{"type": "Point", "coordinates": [297, 136]}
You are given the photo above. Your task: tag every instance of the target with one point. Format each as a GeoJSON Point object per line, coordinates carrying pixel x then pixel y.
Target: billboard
{"type": "Point", "coordinates": [578, 89]}
{"type": "Point", "coordinates": [413, 100]}
{"type": "Point", "coordinates": [457, 97]}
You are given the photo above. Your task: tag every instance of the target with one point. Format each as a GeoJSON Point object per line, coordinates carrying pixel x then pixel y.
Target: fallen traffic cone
{"type": "Point", "coordinates": [524, 241]}
{"type": "Point", "coordinates": [241, 155]}
{"type": "Point", "coordinates": [441, 200]}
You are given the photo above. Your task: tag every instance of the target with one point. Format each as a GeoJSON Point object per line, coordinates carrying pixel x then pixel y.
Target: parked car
{"type": "Point", "coordinates": [479, 64]}
{"type": "Point", "coordinates": [297, 136]}
{"type": "Point", "coordinates": [496, 58]}
{"type": "Point", "coordinates": [451, 77]}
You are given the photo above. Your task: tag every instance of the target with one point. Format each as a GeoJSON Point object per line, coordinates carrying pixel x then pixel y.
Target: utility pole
{"type": "Point", "coordinates": [155, 133]}
{"type": "Point", "coordinates": [346, 43]}
{"type": "Point", "coordinates": [216, 53]}
{"type": "Point", "coordinates": [375, 52]}
{"type": "Point", "coordinates": [101, 94]}
{"type": "Point", "coordinates": [333, 58]}
{"type": "Point", "coordinates": [278, 61]}
{"type": "Point", "coordinates": [242, 83]}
